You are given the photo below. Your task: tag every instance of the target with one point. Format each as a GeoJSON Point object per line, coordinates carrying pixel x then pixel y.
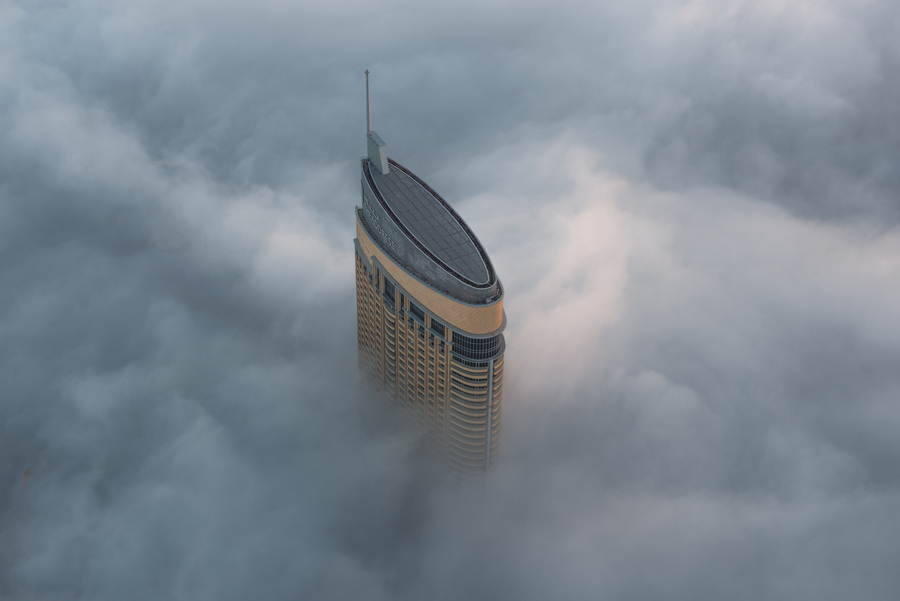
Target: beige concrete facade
{"type": "Point", "coordinates": [457, 405]}
{"type": "Point", "coordinates": [484, 319]}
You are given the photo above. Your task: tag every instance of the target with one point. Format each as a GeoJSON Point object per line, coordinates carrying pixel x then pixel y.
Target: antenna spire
{"type": "Point", "coordinates": [368, 122]}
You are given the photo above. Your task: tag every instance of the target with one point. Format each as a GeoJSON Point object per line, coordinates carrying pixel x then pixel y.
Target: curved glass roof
{"type": "Point", "coordinates": [431, 222]}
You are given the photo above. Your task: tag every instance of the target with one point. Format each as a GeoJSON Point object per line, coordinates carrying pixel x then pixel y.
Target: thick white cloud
{"type": "Point", "coordinates": [692, 206]}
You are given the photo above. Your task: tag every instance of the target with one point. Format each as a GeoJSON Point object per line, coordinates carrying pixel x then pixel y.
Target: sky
{"type": "Point", "coordinates": [694, 208]}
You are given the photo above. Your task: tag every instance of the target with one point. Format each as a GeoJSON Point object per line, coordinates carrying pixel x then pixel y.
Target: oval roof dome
{"type": "Point", "coordinates": [434, 226]}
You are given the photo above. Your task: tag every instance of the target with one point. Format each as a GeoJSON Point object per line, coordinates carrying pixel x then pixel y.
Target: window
{"type": "Point", "coordinates": [389, 291]}
{"type": "Point", "coordinates": [475, 364]}
{"type": "Point", "coordinates": [437, 327]}
{"type": "Point", "coordinates": [415, 310]}
{"type": "Point", "coordinates": [477, 348]}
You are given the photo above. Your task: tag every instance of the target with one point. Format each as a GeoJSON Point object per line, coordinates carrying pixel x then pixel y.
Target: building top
{"type": "Point", "coordinates": [432, 223]}
{"type": "Point", "coordinates": [423, 233]}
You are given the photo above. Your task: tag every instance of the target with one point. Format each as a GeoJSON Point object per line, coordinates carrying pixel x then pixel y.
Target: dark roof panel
{"type": "Point", "coordinates": [431, 223]}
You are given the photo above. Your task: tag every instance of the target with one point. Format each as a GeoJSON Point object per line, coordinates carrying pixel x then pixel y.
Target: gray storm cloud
{"type": "Point", "coordinates": [693, 207]}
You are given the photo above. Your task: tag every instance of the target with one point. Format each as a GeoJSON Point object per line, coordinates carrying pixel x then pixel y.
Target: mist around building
{"type": "Point", "coordinates": [692, 208]}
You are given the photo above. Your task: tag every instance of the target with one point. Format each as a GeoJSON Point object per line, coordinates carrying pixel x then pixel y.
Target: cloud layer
{"type": "Point", "coordinates": [693, 207]}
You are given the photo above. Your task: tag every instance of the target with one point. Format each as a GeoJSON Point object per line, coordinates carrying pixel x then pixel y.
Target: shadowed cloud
{"type": "Point", "coordinates": [693, 210]}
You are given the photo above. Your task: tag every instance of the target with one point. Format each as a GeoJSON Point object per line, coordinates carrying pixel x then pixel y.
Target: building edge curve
{"type": "Point", "coordinates": [406, 247]}
{"type": "Point", "coordinates": [471, 318]}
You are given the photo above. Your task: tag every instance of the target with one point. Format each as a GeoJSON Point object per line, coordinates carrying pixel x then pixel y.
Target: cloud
{"type": "Point", "coordinates": [691, 206]}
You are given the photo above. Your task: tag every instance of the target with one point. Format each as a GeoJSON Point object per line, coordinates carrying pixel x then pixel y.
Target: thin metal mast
{"type": "Point", "coordinates": [368, 123]}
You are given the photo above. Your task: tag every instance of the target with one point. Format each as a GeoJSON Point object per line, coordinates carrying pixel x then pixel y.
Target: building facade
{"type": "Point", "coordinates": [430, 313]}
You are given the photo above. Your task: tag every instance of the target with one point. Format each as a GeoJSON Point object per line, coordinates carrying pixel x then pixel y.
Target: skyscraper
{"type": "Point", "coordinates": [429, 313]}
